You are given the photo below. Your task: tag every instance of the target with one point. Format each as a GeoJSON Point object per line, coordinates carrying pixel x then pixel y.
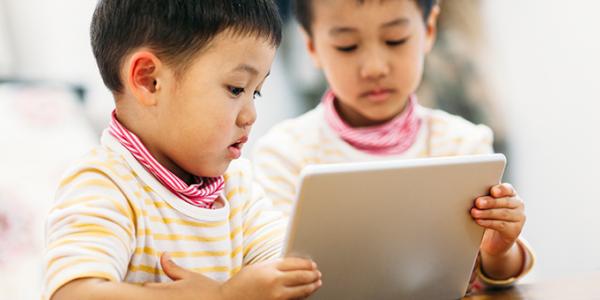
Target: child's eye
{"type": "Point", "coordinates": [257, 94]}
{"type": "Point", "coordinates": [235, 91]}
{"type": "Point", "coordinates": [347, 48]}
{"type": "Point", "coordinates": [396, 42]}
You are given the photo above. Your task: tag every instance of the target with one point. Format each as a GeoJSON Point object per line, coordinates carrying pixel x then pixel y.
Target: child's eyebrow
{"type": "Point", "coordinates": [246, 68]}
{"type": "Point", "coordinates": [341, 30]}
{"type": "Point", "coordinates": [396, 22]}
{"type": "Point", "coordinates": [249, 69]}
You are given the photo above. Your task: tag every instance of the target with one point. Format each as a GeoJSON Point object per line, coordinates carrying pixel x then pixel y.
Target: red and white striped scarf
{"type": "Point", "coordinates": [201, 194]}
{"type": "Point", "coordinates": [393, 137]}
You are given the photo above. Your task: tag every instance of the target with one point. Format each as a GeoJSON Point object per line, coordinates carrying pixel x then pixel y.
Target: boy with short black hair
{"type": "Point", "coordinates": [159, 191]}
{"type": "Point", "coordinates": [372, 53]}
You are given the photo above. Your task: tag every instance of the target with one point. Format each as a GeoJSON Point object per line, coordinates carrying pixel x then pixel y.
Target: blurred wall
{"type": "Point", "coordinates": [547, 77]}
{"type": "Point", "coordinates": [51, 41]}
{"type": "Point", "coordinates": [6, 58]}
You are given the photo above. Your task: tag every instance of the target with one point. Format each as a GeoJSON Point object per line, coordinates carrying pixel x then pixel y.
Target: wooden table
{"type": "Point", "coordinates": [582, 286]}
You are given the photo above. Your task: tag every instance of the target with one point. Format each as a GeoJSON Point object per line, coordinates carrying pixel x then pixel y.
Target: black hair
{"type": "Point", "coordinates": [303, 9]}
{"type": "Point", "coordinates": [176, 30]}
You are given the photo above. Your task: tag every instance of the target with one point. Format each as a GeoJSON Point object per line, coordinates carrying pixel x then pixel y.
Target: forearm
{"type": "Point", "coordinates": [99, 289]}
{"type": "Point", "coordinates": [507, 265]}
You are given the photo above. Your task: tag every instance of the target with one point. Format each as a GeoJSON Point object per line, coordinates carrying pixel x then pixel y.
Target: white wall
{"type": "Point", "coordinates": [547, 75]}
{"type": "Point", "coordinates": [52, 42]}
{"type": "Point", "coordinates": [6, 66]}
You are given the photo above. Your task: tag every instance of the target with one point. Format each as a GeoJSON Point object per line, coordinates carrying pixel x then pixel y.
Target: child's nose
{"type": "Point", "coordinates": [374, 67]}
{"type": "Point", "coordinates": [247, 115]}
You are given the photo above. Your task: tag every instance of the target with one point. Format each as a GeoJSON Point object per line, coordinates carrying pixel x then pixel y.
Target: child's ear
{"type": "Point", "coordinates": [431, 32]}
{"type": "Point", "coordinates": [142, 77]}
{"type": "Point", "coordinates": [310, 46]}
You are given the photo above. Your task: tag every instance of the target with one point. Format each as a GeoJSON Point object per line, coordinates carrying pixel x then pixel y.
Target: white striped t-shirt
{"type": "Point", "coordinates": [288, 147]}
{"type": "Point", "coordinates": [112, 219]}
{"type": "Point", "coordinates": [280, 155]}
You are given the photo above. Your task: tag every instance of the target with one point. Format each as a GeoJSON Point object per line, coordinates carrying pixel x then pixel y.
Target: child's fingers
{"type": "Point", "coordinates": [502, 190]}
{"type": "Point", "coordinates": [500, 214]}
{"type": "Point", "coordinates": [296, 278]}
{"type": "Point", "coordinates": [302, 291]}
{"type": "Point", "coordinates": [174, 271]}
{"type": "Point", "coordinates": [296, 263]}
{"type": "Point", "coordinates": [501, 226]}
{"type": "Point", "coordinates": [156, 285]}
{"type": "Point", "coordinates": [491, 202]}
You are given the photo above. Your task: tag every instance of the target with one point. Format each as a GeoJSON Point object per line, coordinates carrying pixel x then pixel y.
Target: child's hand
{"type": "Point", "coordinates": [186, 284]}
{"type": "Point", "coordinates": [286, 278]}
{"type": "Point", "coordinates": [503, 215]}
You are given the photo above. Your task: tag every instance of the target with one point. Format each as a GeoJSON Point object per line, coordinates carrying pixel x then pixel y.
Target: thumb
{"type": "Point", "coordinates": [503, 190]}
{"type": "Point", "coordinates": [172, 270]}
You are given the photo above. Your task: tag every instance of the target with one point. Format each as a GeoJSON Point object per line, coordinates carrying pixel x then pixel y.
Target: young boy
{"type": "Point", "coordinates": [372, 55]}
{"type": "Point", "coordinates": [153, 196]}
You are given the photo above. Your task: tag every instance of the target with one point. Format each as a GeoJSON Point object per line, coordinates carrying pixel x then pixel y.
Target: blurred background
{"type": "Point", "coordinates": [529, 69]}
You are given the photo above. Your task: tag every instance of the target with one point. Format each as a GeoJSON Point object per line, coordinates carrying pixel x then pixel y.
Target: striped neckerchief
{"type": "Point", "coordinates": [391, 138]}
{"type": "Point", "coordinates": [202, 194]}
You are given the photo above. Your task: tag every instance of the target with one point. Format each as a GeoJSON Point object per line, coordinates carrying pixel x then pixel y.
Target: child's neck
{"type": "Point", "coordinates": [170, 165]}
{"type": "Point", "coordinates": [391, 137]}
{"type": "Point", "coordinates": [357, 120]}
{"type": "Point", "coordinates": [200, 192]}
{"type": "Point", "coordinates": [140, 129]}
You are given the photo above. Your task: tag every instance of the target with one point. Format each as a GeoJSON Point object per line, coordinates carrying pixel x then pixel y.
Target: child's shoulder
{"type": "Point", "coordinates": [296, 132]}
{"type": "Point", "coordinates": [100, 159]}
{"type": "Point", "coordinates": [238, 172]}
{"type": "Point", "coordinates": [449, 129]}
{"type": "Point", "coordinates": [298, 128]}
{"type": "Point", "coordinates": [100, 171]}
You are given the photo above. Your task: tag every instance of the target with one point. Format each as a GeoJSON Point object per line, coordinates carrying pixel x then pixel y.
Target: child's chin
{"type": "Point", "coordinates": [215, 171]}
{"type": "Point", "coordinates": [221, 169]}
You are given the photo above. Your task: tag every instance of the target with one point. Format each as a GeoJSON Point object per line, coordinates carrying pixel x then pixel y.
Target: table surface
{"type": "Point", "coordinates": [581, 286]}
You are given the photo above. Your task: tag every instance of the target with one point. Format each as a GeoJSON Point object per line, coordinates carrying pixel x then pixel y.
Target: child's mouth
{"type": "Point", "coordinates": [378, 95]}
{"type": "Point", "coordinates": [235, 149]}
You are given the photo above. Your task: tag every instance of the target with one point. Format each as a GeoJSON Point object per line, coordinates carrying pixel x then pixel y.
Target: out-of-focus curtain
{"type": "Point", "coordinates": [42, 131]}
{"type": "Point", "coordinates": [457, 70]}
{"type": "Point", "coordinates": [6, 51]}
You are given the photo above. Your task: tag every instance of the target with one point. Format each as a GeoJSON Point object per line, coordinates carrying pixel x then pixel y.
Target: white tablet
{"type": "Point", "coordinates": [392, 229]}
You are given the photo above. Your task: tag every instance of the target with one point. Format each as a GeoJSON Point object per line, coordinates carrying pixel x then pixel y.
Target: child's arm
{"type": "Point", "coordinates": [289, 278]}
{"type": "Point", "coordinates": [277, 160]}
{"type": "Point", "coordinates": [503, 215]}
{"type": "Point", "coordinates": [263, 228]}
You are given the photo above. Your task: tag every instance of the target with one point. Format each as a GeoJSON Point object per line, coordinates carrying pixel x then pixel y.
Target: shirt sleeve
{"type": "Point", "coordinates": [452, 135]}
{"type": "Point", "coordinates": [264, 228]}
{"type": "Point", "coordinates": [480, 282]}
{"type": "Point", "coordinates": [480, 142]}
{"type": "Point", "coordinates": [89, 232]}
{"type": "Point", "coordinates": [528, 262]}
{"type": "Point", "coordinates": [277, 163]}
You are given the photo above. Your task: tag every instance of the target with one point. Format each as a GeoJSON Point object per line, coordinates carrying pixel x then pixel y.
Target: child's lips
{"type": "Point", "coordinates": [242, 140]}
{"type": "Point", "coordinates": [378, 95]}
{"type": "Point", "coordinates": [235, 149]}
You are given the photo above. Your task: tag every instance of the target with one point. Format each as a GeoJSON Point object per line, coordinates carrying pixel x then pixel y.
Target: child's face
{"type": "Point", "coordinates": [371, 53]}
{"type": "Point", "coordinates": [204, 117]}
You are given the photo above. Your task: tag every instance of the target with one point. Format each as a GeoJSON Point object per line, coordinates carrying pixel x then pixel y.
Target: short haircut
{"type": "Point", "coordinates": [303, 9]}
{"type": "Point", "coordinates": [176, 30]}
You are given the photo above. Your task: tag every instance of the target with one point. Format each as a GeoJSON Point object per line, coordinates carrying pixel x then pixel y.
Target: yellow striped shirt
{"type": "Point", "coordinates": [112, 219]}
